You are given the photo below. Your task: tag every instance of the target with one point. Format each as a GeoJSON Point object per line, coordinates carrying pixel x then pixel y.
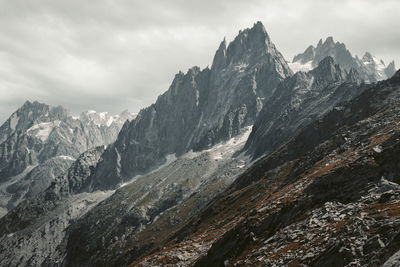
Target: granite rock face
{"type": "Point", "coordinates": [40, 142]}
{"type": "Point", "coordinates": [369, 67]}
{"type": "Point", "coordinates": [201, 108]}
{"type": "Point", "coordinates": [298, 101]}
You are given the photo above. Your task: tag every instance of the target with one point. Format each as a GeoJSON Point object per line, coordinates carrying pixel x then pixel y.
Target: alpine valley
{"type": "Point", "coordinates": [255, 161]}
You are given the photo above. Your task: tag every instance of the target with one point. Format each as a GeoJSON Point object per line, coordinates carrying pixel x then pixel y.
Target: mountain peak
{"type": "Point", "coordinates": [326, 62]}
{"type": "Point", "coordinates": [329, 40]}
{"type": "Point", "coordinates": [329, 43]}
{"type": "Point", "coordinates": [329, 47]}
{"type": "Point", "coordinates": [259, 27]}
{"type": "Point", "coordinates": [219, 60]}
{"type": "Point", "coordinates": [368, 55]}
{"type": "Point", "coordinates": [28, 104]}
{"type": "Point", "coordinates": [390, 69]}
{"type": "Point", "coordinates": [250, 44]}
{"type": "Point", "coordinates": [257, 34]}
{"type": "Point", "coordinates": [329, 71]}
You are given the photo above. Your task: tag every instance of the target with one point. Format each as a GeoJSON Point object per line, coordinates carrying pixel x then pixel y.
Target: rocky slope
{"type": "Point", "coordinates": [145, 212]}
{"type": "Point", "coordinates": [328, 197]}
{"type": "Point", "coordinates": [201, 108]}
{"type": "Point", "coordinates": [40, 142]}
{"type": "Point", "coordinates": [31, 232]}
{"type": "Point", "coordinates": [298, 101]}
{"type": "Point", "coordinates": [369, 67]}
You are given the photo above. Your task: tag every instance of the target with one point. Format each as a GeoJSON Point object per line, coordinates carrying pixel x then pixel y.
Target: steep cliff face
{"type": "Point", "coordinates": [329, 197]}
{"type": "Point", "coordinates": [298, 101]}
{"type": "Point", "coordinates": [201, 107]}
{"type": "Point", "coordinates": [40, 142]}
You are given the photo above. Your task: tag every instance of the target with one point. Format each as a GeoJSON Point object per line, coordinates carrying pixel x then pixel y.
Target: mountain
{"type": "Point", "coordinates": [298, 101]}
{"type": "Point", "coordinates": [328, 197]}
{"type": "Point", "coordinates": [40, 142]}
{"type": "Point", "coordinates": [178, 188]}
{"type": "Point", "coordinates": [37, 225]}
{"type": "Point", "coordinates": [203, 119]}
{"type": "Point", "coordinates": [156, 204]}
{"type": "Point", "coordinates": [369, 67]}
{"type": "Point", "coordinates": [200, 108]}
{"type": "Point", "coordinates": [154, 207]}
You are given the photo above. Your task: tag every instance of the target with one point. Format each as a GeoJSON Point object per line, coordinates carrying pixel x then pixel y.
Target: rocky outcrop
{"type": "Point", "coordinates": [369, 67]}
{"type": "Point", "coordinates": [300, 100]}
{"type": "Point", "coordinates": [201, 108]}
{"type": "Point", "coordinates": [390, 69]}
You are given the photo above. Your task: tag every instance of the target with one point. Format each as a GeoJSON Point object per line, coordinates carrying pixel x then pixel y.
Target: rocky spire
{"type": "Point", "coordinates": [353, 76]}
{"type": "Point", "coordinates": [220, 56]}
{"type": "Point", "coordinates": [390, 69]}
{"type": "Point", "coordinates": [327, 70]}
{"type": "Point", "coordinates": [252, 43]}
{"type": "Point", "coordinates": [307, 56]}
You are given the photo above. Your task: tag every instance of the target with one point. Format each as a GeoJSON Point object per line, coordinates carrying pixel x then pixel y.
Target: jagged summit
{"type": "Point", "coordinates": [328, 71]}
{"type": "Point", "coordinates": [38, 142]}
{"type": "Point", "coordinates": [200, 108]}
{"type": "Point", "coordinates": [369, 67]}
{"type": "Point", "coordinates": [28, 114]}
{"type": "Point", "coordinates": [254, 42]}
{"type": "Point", "coordinates": [329, 47]}
{"type": "Point", "coordinates": [219, 60]}
{"type": "Point", "coordinates": [248, 47]}
{"type": "Point", "coordinates": [390, 70]}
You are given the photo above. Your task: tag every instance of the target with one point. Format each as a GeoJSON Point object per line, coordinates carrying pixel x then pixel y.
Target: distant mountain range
{"type": "Point", "coordinates": [247, 162]}
{"type": "Point", "coordinates": [369, 67]}
{"type": "Point", "coordinates": [40, 142]}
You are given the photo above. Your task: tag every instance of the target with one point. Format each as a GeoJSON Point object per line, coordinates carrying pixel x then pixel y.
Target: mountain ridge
{"type": "Point", "coordinates": [40, 142]}
{"type": "Point", "coordinates": [214, 104]}
{"type": "Point", "coordinates": [370, 68]}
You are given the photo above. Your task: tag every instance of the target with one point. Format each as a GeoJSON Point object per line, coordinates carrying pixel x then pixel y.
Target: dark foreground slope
{"type": "Point", "coordinates": [329, 197]}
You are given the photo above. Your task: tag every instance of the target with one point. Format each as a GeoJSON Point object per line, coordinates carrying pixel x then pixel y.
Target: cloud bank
{"type": "Point", "coordinates": [121, 54]}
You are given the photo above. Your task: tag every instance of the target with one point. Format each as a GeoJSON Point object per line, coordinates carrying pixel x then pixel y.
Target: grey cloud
{"type": "Point", "coordinates": [115, 55]}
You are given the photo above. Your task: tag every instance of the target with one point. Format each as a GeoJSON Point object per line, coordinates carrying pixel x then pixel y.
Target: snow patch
{"type": "Point", "coordinates": [224, 149]}
{"type": "Point", "coordinates": [43, 130]}
{"type": "Point", "coordinates": [297, 66]}
{"type": "Point", "coordinates": [14, 121]}
{"type": "Point", "coordinates": [169, 159]}
{"type": "Point", "coordinates": [66, 157]}
{"type": "Point", "coordinates": [241, 67]}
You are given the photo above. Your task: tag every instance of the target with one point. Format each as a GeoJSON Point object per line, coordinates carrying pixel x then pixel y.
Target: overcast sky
{"type": "Point", "coordinates": [111, 55]}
